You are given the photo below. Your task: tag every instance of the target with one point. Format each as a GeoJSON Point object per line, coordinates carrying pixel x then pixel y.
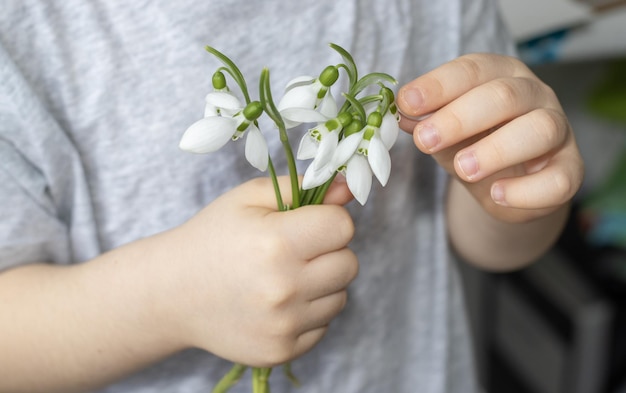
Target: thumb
{"type": "Point", "coordinates": [338, 193]}
{"type": "Point", "coordinates": [260, 192]}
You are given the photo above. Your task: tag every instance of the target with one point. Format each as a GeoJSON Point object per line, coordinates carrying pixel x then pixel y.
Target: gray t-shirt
{"type": "Point", "coordinates": [94, 99]}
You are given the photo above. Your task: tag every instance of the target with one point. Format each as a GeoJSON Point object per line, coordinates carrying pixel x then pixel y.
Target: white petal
{"type": "Point", "coordinates": [379, 160]}
{"type": "Point", "coordinates": [223, 99]}
{"type": "Point", "coordinates": [299, 97]}
{"type": "Point", "coordinates": [346, 148]}
{"type": "Point", "coordinates": [389, 130]}
{"type": "Point", "coordinates": [327, 148]}
{"type": "Point", "coordinates": [299, 81]}
{"type": "Point", "coordinates": [208, 134]}
{"type": "Point", "coordinates": [303, 115]}
{"type": "Point", "coordinates": [256, 150]}
{"type": "Point", "coordinates": [359, 178]}
{"type": "Point", "coordinates": [316, 177]}
{"type": "Point", "coordinates": [328, 106]}
{"type": "Point", "coordinates": [210, 110]}
{"type": "Point", "coordinates": [307, 148]}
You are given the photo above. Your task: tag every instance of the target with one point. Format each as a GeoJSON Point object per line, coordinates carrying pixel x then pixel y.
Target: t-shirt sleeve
{"type": "Point", "coordinates": [29, 228]}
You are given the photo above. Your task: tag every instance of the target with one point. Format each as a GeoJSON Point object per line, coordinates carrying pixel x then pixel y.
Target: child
{"type": "Point", "coordinates": [130, 266]}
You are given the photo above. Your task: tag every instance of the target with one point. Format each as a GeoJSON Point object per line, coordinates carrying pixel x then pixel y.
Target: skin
{"type": "Point", "coordinates": [503, 137]}
{"type": "Point", "coordinates": [87, 325]}
{"type": "Point", "coordinates": [84, 326]}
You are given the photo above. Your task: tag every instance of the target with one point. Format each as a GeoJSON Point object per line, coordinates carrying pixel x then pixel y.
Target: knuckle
{"type": "Point", "coordinates": [470, 64]}
{"type": "Point", "coordinates": [342, 301]}
{"type": "Point", "coordinates": [285, 327]}
{"type": "Point", "coordinates": [277, 293]}
{"type": "Point", "coordinates": [279, 353]}
{"type": "Point", "coordinates": [564, 186]}
{"type": "Point", "coordinates": [272, 246]}
{"type": "Point", "coordinates": [506, 93]}
{"type": "Point", "coordinates": [548, 126]}
{"type": "Point", "coordinates": [343, 223]}
{"type": "Point", "coordinates": [353, 266]}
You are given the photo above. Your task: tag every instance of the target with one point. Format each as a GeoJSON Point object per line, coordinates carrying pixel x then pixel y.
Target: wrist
{"type": "Point", "coordinates": [134, 290]}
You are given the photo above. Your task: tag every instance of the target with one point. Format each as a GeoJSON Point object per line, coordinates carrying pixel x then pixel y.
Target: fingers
{"type": "Point", "coordinates": [259, 192]}
{"type": "Point", "coordinates": [552, 186]}
{"type": "Point", "coordinates": [524, 139]}
{"type": "Point", "coordinates": [338, 193]}
{"type": "Point", "coordinates": [329, 273]}
{"type": "Point", "coordinates": [482, 108]}
{"type": "Point", "coordinates": [435, 89]}
{"type": "Point", "coordinates": [311, 231]}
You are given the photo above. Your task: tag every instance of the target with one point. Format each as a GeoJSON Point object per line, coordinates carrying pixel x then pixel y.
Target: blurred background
{"type": "Point", "coordinates": [559, 326]}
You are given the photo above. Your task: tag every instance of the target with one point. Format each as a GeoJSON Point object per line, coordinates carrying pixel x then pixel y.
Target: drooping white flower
{"type": "Point", "coordinates": [211, 133]}
{"type": "Point", "coordinates": [310, 94]}
{"type": "Point", "coordinates": [321, 141]}
{"type": "Point", "coordinates": [256, 151]}
{"type": "Point", "coordinates": [221, 103]}
{"type": "Point", "coordinates": [379, 159]}
{"type": "Point", "coordinates": [359, 177]}
{"type": "Point", "coordinates": [208, 134]}
{"type": "Point", "coordinates": [358, 156]}
{"type": "Point", "coordinates": [389, 129]}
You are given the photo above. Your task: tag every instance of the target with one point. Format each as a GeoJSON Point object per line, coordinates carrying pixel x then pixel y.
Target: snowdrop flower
{"type": "Point", "coordinates": [211, 133]}
{"type": "Point", "coordinates": [358, 155]}
{"type": "Point", "coordinates": [321, 141]}
{"type": "Point", "coordinates": [309, 93]}
{"type": "Point", "coordinates": [389, 129]}
{"type": "Point", "coordinates": [221, 101]}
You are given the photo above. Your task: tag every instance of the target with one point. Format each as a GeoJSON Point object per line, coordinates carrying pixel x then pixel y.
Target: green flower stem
{"type": "Point", "coordinates": [306, 197]}
{"type": "Point", "coordinates": [290, 375]}
{"type": "Point", "coordinates": [230, 379]}
{"type": "Point", "coordinates": [293, 171]}
{"type": "Point", "coordinates": [279, 198]}
{"type": "Point", "coordinates": [320, 192]}
{"type": "Point", "coordinates": [260, 380]}
{"type": "Point", "coordinates": [268, 104]}
{"type": "Point", "coordinates": [232, 69]}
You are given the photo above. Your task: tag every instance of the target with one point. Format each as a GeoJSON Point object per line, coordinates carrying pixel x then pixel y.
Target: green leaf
{"type": "Point", "coordinates": [371, 79]}
{"type": "Point", "coordinates": [349, 65]}
{"type": "Point", "coordinates": [232, 69]}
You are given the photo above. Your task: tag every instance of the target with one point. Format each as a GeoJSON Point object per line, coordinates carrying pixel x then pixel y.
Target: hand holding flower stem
{"type": "Point", "coordinates": [353, 140]}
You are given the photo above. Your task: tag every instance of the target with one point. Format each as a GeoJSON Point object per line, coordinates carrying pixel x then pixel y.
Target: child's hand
{"type": "Point", "coordinates": [494, 125]}
{"type": "Point", "coordinates": [257, 286]}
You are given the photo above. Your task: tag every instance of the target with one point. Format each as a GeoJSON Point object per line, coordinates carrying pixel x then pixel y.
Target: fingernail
{"type": "Point", "coordinates": [497, 194]}
{"type": "Point", "coordinates": [468, 164]}
{"type": "Point", "coordinates": [428, 136]}
{"type": "Point", "coordinates": [413, 99]}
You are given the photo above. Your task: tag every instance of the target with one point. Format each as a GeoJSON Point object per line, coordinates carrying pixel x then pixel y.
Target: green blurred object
{"type": "Point", "coordinates": [608, 99]}
{"type": "Point", "coordinates": [607, 203]}
{"type": "Point", "coordinates": [607, 206]}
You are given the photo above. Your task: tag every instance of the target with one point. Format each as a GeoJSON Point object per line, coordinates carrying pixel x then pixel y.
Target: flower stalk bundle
{"type": "Point", "coordinates": [353, 139]}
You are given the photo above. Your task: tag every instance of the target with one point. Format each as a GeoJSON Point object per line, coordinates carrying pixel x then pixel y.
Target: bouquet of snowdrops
{"type": "Point", "coordinates": [353, 139]}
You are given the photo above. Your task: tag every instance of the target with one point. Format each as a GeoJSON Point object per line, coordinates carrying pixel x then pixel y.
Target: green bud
{"type": "Point", "coordinates": [218, 80]}
{"type": "Point", "coordinates": [374, 119]}
{"type": "Point", "coordinates": [344, 118]}
{"type": "Point", "coordinates": [355, 126]}
{"type": "Point", "coordinates": [329, 76]}
{"type": "Point", "coordinates": [253, 110]}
